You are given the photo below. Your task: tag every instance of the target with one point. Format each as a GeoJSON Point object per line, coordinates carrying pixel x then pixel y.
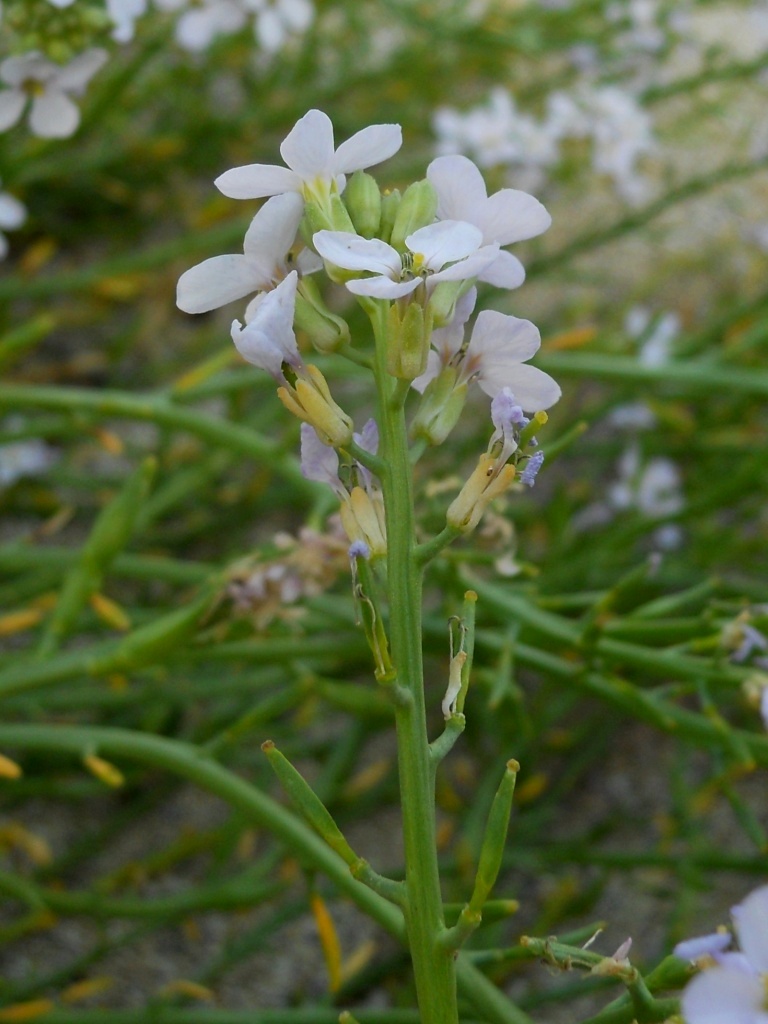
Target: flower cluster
{"type": "Point", "coordinates": [733, 986]}
{"type": "Point", "coordinates": [608, 117]}
{"type": "Point", "coordinates": [412, 261]}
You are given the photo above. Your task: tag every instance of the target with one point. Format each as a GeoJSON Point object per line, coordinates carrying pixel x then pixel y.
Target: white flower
{"type": "Point", "coordinates": [276, 21]}
{"type": "Point", "coordinates": [222, 279]}
{"type": "Point", "coordinates": [123, 14]}
{"type": "Point", "coordinates": [197, 27]}
{"type": "Point", "coordinates": [429, 250]}
{"type": "Point", "coordinates": [505, 217]}
{"type": "Point", "coordinates": [33, 77]}
{"type": "Point", "coordinates": [24, 458]}
{"type": "Point", "coordinates": [495, 356]}
{"type": "Point", "coordinates": [12, 215]}
{"type": "Point", "coordinates": [315, 168]}
{"type": "Point", "coordinates": [268, 341]}
{"type": "Point", "coordinates": [653, 489]}
{"type": "Point", "coordinates": [735, 990]}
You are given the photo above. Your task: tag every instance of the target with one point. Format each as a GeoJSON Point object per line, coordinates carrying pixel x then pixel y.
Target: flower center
{"type": "Point", "coordinates": [413, 264]}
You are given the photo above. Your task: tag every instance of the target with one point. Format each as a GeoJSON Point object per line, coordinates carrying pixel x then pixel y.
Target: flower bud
{"type": "Point", "coordinates": [363, 520]}
{"type": "Point", "coordinates": [440, 407]}
{"type": "Point", "coordinates": [363, 201]}
{"type": "Point", "coordinates": [408, 341]}
{"type": "Point", "coordinates": [417, 209]}
{"type": "Point", "coordinates": [326, 331]}
{"type": "Point", "coordinates": [442, 303]}
{"type": "Point", "coordinates": [390, 203]}
{"type": "Point", "coordinates": [332, 215]}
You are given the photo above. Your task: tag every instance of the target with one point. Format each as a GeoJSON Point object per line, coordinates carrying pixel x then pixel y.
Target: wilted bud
{"type": "Point", "coordinates": [487, 482]}
{"type": "Point", "coordinates": [311, 401]}
{"type": "Point", "coordinates": [362, 517]}
{"type": "Point", "coordinates": [417, 209]}
{"type": "Point", "coordinates": [363, 201]}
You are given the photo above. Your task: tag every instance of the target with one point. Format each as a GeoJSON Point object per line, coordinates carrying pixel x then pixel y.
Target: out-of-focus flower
{"type": "Point", "coordinates": [47, 87]}
{"type": "Point", "coordinates": [429, 250]}
{"type": "Point", "coordinates": [315, 168]}
{"type": "Point", "coordinates": [734, 989]}
{"type": "Point", "coordinates": [495, 133]}
{"type": "Point", "coordinates": [277, 20]}
{"type": "Point", "coordinates": [264, 263]}
{"type": "Point", "coordinates": [654, 334]}
{"type": "Point", "coordinates": [13, 213]}
{"type": "Point", "coordinates": [197, 27]}
{"type": "Point", "coordinates": [24, 458]}
{"type": "Point", "coordinates": [123, 14]}
{"type": "Point", "coordinates": [654, 489]}
{"type": "Point", "coordinates": [505, 217]}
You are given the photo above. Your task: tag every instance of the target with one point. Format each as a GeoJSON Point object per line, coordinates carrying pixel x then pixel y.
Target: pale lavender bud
{"type": "Point", "coordinates": [532, 467]}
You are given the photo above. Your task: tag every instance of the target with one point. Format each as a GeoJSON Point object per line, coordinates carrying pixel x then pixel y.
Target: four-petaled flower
{"type": "Point", "coordinates": [494, 356]}
{"type": "Point", "coordinates": [505, 217]}
{"type": "Point", "coordinates": [32, 77]}
{"type": "Point", "coordinates": [315, 168]}
{"type": "Point", "coordinates": [455, 243]}
{"type": "Point", "coordinates": [735, 990]}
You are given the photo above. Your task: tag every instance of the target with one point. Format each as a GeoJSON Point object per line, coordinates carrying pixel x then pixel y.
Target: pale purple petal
{"type": "Point", "coordinates": [750, 919]}
{"type": "Point", "coordinates": [498, 333]}
{"type": "Point", "coordinates": [254, 181]}
{"type": "Point", "coordinates": [368, 438]}
{"type": "Point", "coordinates": [318, 461]}
{"type": "Point", "coordinates": [352, 252]}
{"type": "Point", "coordinates": [445, 242]}
{"type": "Point", "coordinates": [721, 996]}
{"type": "Point", "coordinates": [54, 116]}
{"type": "Point", "coordinates": [764, 706]}
{"type": "Point", "coordinates": [533, 388]}
{"type": "Point", "coordinates": [382, 287]}
{"type": "Point", "coordinates": [76, 75]}
{"type": "Point", "coordinates": [368, 147]}
{"type": "Point", "coordinates": [268, 339]}
{"type": "Point", "coordinates": [434, 365]}
{"type": "Point", "coordinates": [12, 103]}
{"type": "Point", "coordinates": [308, 148]}
{"type": "Point", "coordinates": [217, 281]}
{"type": "Point", "coordinates": [506, 271]}
{"type": "Point", "coordinates": [702, 945]}
{"type": "Point", "coordinates": [272, 231]}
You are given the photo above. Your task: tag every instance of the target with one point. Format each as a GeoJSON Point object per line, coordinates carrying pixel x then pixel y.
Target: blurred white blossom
{"type": "Point", "coordinates": [13, 213]}
{"type": "Point", "coordinates": [123, 14]}
{"type": "Point", "coordinates": [32, 78]}
{"type": "Point", "coordinates": [24, 458]}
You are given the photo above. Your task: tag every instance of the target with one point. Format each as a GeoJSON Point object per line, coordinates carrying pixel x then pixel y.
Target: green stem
{"type": "Point", "coordinates": [433, 965]}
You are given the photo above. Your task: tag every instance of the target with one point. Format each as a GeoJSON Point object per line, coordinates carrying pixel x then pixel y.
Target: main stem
{"type": "Point", "coordinates": [433, 966]}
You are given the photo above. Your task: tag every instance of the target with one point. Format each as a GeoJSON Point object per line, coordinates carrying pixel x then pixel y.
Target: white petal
{"type": "Point", "coordinates": [308, 147]}
{"type": "Point", "coordinates": [382, 287]}
{"type": "Point", "coordinates": [751, 922]}
{"type": "Point", "coordinates": [217, 281]}
{"type": "Point", "coordinates": [472, 266]}
{"type": "Point", "coordinates": [496, 332]}
{"type": "Point", "coordinates": [254, 181]}
{"type": "Point", "coordinates": [76, 75]}
{"type": "Point", "coordinates": [720, 996]}
{"type": "Point", "coordinates": [12, 103]}
{"type": "Point", "coordinates": [506, 271]}
{"type": "Point", "coordinates": [272, 231]}
{"type": "Point", "coordinates": [445, 241]}
{"type": "Point", "coordinates": [511, 215]}
{"type": "Point", "coordinates": [270, 30]}
{"type": "Point", "coordinates": [702, 945]}
{"type": "Point", "coordinates": [352, 252]}
{"type": "Point", "coordinates": [533, 389]}
{"type": "Point", "coordinates": [54, 116]}
{"type": "Point", "coordinates": [297, 14]}
{"type": "Point", "coordinates": [268, 340]}
{"type": "Point", "coordinates": [434, 366]}
{"type": "Point", "coordinates": [12, 212]}
{"type": "Point", "coordinates": [368, 147]}
{"type": "Point", "coordinates": [308, 262]}
{"type": "Point", "coordinates": [15, 70]}
{"type": "Point", "coordinates": [460, 188]}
